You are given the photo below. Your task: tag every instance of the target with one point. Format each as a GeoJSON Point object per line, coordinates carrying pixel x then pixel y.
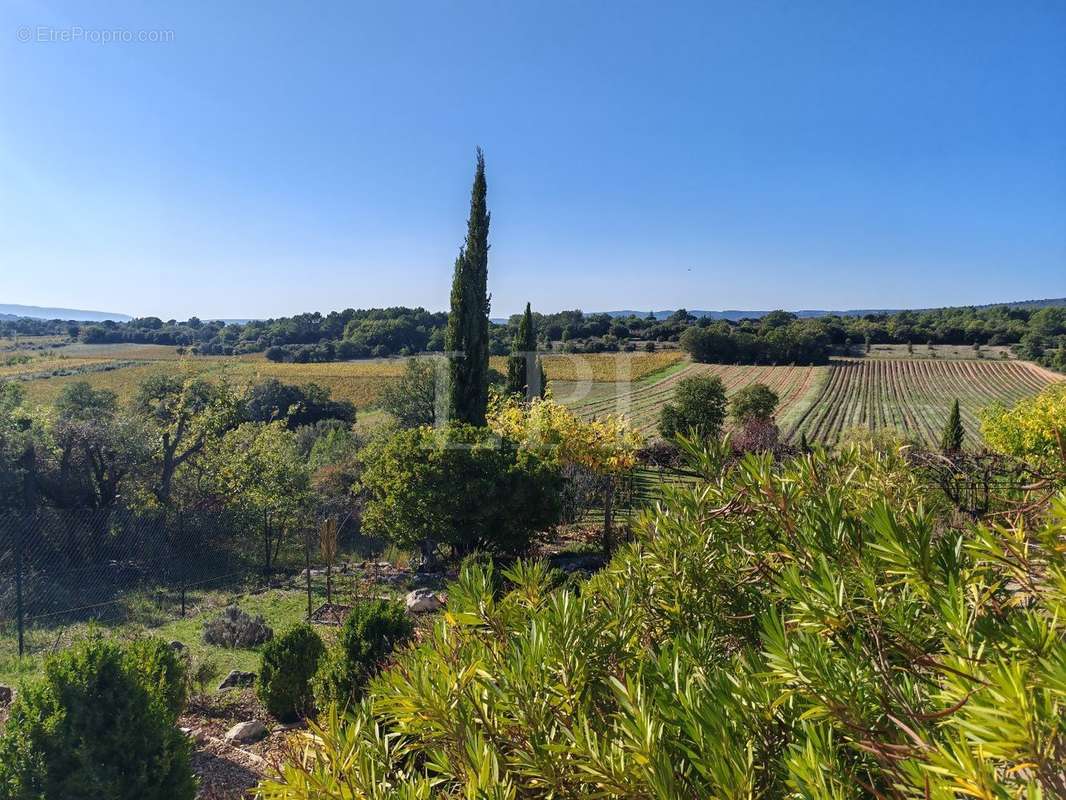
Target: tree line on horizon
{"type": "Point", "coordinates": [1038, 334]}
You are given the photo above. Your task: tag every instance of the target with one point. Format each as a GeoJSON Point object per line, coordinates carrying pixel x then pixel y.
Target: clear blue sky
{"type": "Point", "coordinates": [273, 159]}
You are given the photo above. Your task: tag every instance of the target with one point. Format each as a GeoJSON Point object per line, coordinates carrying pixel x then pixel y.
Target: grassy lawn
{"type": "Point", "coordinates": [142, 614]}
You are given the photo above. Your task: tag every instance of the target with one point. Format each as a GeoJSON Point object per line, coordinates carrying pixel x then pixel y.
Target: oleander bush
{"type": "Point", "coordinates": [368, 636]}
{"type": "Point", "coordinates": [289, 663]}
{"type": "Point", "coordinates": [100, 722]}
{"type": "Point", "coordinates": [822, 627]}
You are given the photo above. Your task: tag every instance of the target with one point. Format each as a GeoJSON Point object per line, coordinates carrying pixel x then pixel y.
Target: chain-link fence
{"type": "Point", "coordinates": [61, 568]}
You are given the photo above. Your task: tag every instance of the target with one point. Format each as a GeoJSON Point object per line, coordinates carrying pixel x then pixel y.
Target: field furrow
{"type": "Point", "coordinates": [914, 396]}
{"type": "Point", "coordinates": [642, 401]}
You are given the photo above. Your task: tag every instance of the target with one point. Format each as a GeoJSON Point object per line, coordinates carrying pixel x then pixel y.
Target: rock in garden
{"type": "Point", "coordinates": [176, 646]}
{"type": "Point", "coordinates": [422, 600]}
{"type": "Point", "coordinates": [194, 734]}
{"type": "Point", "coordinates": [237, 679]}
{"type": "Point", "coordinates": [5, 696]}
{"type": "Point", "coordinates": [246, 732]}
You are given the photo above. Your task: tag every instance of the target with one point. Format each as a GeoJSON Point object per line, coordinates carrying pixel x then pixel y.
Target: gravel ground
{"type": "Point", "coordinates": [228, 771]}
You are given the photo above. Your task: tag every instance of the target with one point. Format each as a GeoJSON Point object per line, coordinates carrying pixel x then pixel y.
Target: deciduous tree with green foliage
{"type": "Point", "coordinates": [183, 417]}
{"type": "Point", "coordinates": [753, 409]}
{"type": "Point", "coordinates": [257, 467]}
{"type": "Point", "coordinates": [91, 447]}
{"type": "Point", "coordinates": [412, 400]}
{"type": "Point", "coordinates": [699, 404]}
{"type": "Point", "coordinates": [271, 400]}
{"type": "Point", "coordinates": [18, 431]}
{"type": "Point", "coordinates": [756, 401]}
{"type": "Point", "coordinates": [461, 488]}
{"type": "Point", "coordinates": [467, 336]}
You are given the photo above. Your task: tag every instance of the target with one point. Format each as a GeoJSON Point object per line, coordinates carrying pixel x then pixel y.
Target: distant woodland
{"type": "Point", "coordinates": [1036, 331]}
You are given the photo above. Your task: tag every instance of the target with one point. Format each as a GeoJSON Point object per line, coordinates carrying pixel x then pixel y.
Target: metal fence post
{"type": "Point", "coordinates": [307, 571]}
{"type": "Point", "coordinates": [266, 541]}
{"type": "Point", "coordinates": [181, 565]}
{"type": "Point", "coordinates": [29, 465]}
{"type": "Point", "coordinates": [18, 587]}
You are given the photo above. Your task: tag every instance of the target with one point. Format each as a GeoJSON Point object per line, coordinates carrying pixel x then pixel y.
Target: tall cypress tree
{"type": "Point", "coordinates": [467, 336]}
{"type": "Point", "coordinates": [525, 375]}
{"type": "Point", "coordinates": [951, 440]}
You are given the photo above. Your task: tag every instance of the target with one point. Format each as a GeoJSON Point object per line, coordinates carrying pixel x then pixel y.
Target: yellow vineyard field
{"type": "Point", "coordinates": [361, 382]}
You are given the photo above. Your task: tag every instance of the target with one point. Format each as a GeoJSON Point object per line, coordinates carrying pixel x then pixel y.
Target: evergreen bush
{"type": "Point", "coordinates": [99, 723]}
{"type": "Point", "coordinates": [288, 665]}
{"type": "Point", "coordinates": [369, 634]}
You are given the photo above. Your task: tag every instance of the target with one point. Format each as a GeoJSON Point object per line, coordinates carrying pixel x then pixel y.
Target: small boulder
{"type": "Point", "coordinates": [236, 680]}
{"type": "Point", "coordinates": [6, 696]}
{"type": "Point", "coordinates": [421, 601]}
{"type": "Point", "coordinates": [176, 646]}
{"type": "Point", "coordinates": [246, 732]}
{"type": "Point", "coordinates": [194, 734]}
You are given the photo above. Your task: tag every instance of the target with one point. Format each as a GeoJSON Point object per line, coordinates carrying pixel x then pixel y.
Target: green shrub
{"type": "Point", "coordinates": [369, 634]}
{"type": "Point", "coordinates": [100, 723]}
{"type": "Point", "coordinates": [162, 669]}
{"type": "Point", "coordinates": [289, 663]}
{"type": "Point", "coordinates": [235, 628]}
{"type": "Point", "coordinates": [202, 673]}
{"type": "Point", "coordinates": [756, 401]}
{"type": "Point", "coordinates": [699, 404]}
{"type": "Point", "coordinates": [412, 478]}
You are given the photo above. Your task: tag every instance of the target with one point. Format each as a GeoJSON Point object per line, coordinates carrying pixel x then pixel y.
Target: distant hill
{"type": "Point", "coordinates": [11, 311]}
{"type": "Point", "coordinates": [729, 313]}
{"type": "Point", "coordinates": [734, 314]}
